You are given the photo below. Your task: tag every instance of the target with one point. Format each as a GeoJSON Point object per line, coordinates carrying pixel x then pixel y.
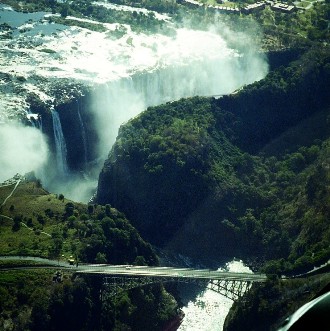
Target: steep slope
{"type": "Point", "coordinates": [188, 174]}
{"type": "Point", "coordinates": [37, 223]}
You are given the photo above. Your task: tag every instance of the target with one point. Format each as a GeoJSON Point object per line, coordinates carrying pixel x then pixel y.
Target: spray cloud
{"type": "Point", "coordinates": [23, 149]}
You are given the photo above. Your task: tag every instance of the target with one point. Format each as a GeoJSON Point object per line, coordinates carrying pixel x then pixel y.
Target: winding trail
{"type": "Point", "coordinates": [11, 219]}
{"type": "Point", "coordinates": [43, 232]}
{"type": "Point", "coordinates": [11, 193]}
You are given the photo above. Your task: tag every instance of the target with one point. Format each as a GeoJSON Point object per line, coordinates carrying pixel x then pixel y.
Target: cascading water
{"type": "Point", "coordinates": [83, 133]}
{"type": "Point", "coordinates": [60, 145]}
{"type": "Point", "coordinates": [35, 120]}
{"type": "Point", "coordinates": [134, 71]}
{"type": "Point", "coordinates": [209, 309]}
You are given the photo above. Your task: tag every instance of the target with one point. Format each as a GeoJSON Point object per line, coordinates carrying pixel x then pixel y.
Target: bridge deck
{"type": "Point", "coordinates": [169, 272]}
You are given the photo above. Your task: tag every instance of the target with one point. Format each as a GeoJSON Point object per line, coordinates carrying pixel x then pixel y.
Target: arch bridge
{"type": "Point", "coordinates": [116, 279]}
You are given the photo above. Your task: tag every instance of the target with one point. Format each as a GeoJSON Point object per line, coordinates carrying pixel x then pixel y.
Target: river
{"type": "Point", "coordinates": [207, 311]}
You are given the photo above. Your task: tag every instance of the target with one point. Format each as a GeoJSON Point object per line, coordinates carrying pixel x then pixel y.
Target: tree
{"type": "Point", "coordinates": [41, 219]}
{"type": "Point", "coordinates": [57, 237]}
{"type": "Point", "coordinates": [90, 209]}
{"type": "Point", "coordinates": [17, 223]}
{"type": "Point", "coordinates": [71, 221]}
{"type": "Point", "coordinates": [100, 258]}
{"type": "Point", "coordinates": [29, 222]}
{"type": "Point", "coordinates": [69, 208]}
{"type": "Point", "coordinates": [107, 209]}
{"type": "Point", "coordinates": [140, 260]}
{"type": "Point", "coordinates": [64, 11]}
{"type": "Point", "coordinates": [39, 313]}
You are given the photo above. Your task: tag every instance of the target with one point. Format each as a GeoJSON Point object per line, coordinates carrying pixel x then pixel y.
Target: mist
{"type": "Point", "coordinates": [211, 62]}
{"type": "Point", "coordinates": [22, 149]}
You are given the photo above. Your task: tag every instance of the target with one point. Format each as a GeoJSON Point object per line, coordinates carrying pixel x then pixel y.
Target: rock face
{"type": "Point", "coordinates": [79, 131]}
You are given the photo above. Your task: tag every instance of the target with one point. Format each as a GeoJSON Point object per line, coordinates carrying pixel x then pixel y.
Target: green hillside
{"type": "Point", "coordinates": [37, 223]}
{"type": "Point", "coordinates": [245, 176]}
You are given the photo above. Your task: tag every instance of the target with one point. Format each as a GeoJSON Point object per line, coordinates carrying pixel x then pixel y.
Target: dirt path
{"type": "Point", "coordinates": [11, 193]}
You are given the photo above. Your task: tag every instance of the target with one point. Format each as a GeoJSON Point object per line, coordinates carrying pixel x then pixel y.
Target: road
{"type": "Point", "coordinates": [144, 271]}
{"type": "Point", "coordinates": [169, 272]}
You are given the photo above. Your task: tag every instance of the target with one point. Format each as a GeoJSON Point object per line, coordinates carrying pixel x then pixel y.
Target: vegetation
{"type": "Point", "coordinates": [32, 300]}
{"type": "Point", "coordinates": [87, 9]}
{"type": "Point", "coordinates": [279, 30]}
{"type": "Point", "coordinates": [246, 175]}
{"type": "Point", "coordinates": [199, 169]}
{"type": "Point", "coordinates": [273, 302]}
{"type": "Point", "coordinates": [36, 223]}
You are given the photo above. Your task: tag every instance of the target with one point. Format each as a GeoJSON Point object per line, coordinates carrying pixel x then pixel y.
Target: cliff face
{"type": "Point", "coordinates": [163, 183]}
{"type": "Point", "coordinates": [188, 173]}
{"type": "Point", "coordinates": [79, 131]}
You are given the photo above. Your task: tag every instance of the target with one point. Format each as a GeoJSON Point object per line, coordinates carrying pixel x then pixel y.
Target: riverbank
{"type": "Point", "coordinates": [175, 323]}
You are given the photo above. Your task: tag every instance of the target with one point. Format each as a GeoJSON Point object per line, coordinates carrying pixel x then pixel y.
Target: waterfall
{"type": "Point", "coordinates": [60, 145]}
{"type": "Point", "coordinates": [35, 120]}
{"type": "Point", "coordinates": [83, 132]}
{"type": "Point", "coordinates": [204, 67]}
{"type": "Point", "coordinates": [39, 123]}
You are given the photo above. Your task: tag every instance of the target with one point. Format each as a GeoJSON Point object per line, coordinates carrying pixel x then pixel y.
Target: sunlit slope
{"type": "Point", "coordinates": [184, 175]}
{"type": "Point", "coordinates": [37, 223]}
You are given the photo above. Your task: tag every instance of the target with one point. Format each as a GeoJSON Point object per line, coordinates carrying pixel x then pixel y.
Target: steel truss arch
{"type": "Point", "coordinates": [231, 289]}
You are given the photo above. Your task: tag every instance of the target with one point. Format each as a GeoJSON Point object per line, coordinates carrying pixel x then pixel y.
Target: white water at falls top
{"type": "Point", "coordinates": [117, 101]}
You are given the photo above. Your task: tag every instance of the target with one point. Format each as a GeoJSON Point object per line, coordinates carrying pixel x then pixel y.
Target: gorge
{"type": "Point", "coordinates": [89, 84]}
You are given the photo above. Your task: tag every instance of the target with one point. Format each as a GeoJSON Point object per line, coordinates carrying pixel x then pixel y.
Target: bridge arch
{"type": "Point", "coordinates": [113, 285]}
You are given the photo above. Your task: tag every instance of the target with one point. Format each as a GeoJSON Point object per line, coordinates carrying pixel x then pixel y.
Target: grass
{"type": "Point", "coordinates": [42, 276]}
{"type": "Point", "coordinates": [304, 4]}
{"type": "Point", "coordinates": [22, 242]}
{"type": "Point", "coordinates": [5, 191]}
{"type": "Point", "coordinates": [229, 4]}
{"type": "Point", "coordinates": [32, 202]}
{"type": "Point", "coordinates": [17, 263]}
{"type": "Point", "coordinates": [85, 25]}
